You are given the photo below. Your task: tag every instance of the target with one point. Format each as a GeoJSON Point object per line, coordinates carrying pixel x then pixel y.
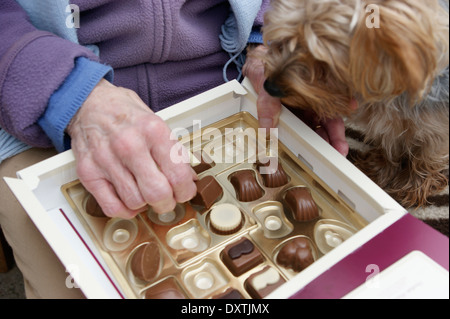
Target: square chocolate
{"type": "Point", "coordinates": [241, 256]}
{"type": "Point", "coordinates": [208, 192]}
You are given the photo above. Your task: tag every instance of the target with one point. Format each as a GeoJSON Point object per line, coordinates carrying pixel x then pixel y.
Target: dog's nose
{"type": "Point", "coordinates": [273, 89]}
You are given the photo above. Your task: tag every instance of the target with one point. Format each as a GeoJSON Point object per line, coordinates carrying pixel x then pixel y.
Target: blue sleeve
{"type": "Point", "coordinates": [69, 97]}
{"type": "Point", "coordinates": [256, 36]}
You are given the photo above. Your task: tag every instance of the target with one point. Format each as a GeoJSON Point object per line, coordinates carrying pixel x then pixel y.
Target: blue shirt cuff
{"type": "Point", "coordinates": [69, 97]}
{"type": "Point", "coordinates": [256, 36]}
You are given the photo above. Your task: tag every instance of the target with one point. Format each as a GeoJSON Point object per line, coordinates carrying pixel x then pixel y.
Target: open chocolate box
{"type": "Point", "coordinates": [278, 216]}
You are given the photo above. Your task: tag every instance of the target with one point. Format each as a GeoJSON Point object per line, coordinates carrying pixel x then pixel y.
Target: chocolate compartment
{"type": "Point", "coordinates": [270, 216]}
{"type": "Point", "coordinates": [329, 234]}
{"type": "Point", "coordinates": [191, 264]}
{"type": "Point", "coordinates": [119, 234]}
{"type": "Point", "coordinates": [204, 278]}
{"type": "Point", "coordinates": [190, 236]}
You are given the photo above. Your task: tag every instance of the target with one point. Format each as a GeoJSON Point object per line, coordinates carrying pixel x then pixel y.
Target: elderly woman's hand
{"type": "Point", "coordinates": [123, 154]}
{"type": "Point", "coordinates": [269, 107]}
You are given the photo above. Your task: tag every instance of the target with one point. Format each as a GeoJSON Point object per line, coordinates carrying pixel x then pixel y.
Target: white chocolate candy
{"type": "Point", "coordinates": [270, 277]}
{"type": "Point", "coordinates": [225, 217]}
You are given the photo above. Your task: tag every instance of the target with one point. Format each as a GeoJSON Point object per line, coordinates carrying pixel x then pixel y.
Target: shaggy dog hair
{"type": "Point", "coordinates": [389, 55]}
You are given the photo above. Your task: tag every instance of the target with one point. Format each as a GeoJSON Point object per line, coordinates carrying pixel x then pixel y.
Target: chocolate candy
{"type": "Point", "coordinates": [241, 256]}
{"type": "Point", "coordinates": [302, 204]}
{"type": "Point", "coordinates": [296, 254]}
{"type": "Point", "coordinates": [225, 219]}
{"type": "Point", "coordinates": [262, 283]}
{"type": "Point", "coordinates": [230, 293]}
{"type": "Point", "coordinates": [202, 165]}
{"type": "Point", "coordinates": [146, 262]}
{"type": "Point", "coordinates": [208, 191]}
{"type": "Point", "coordinates": [274, 179]}
{"type": "Point", "coordinates": [246, 187]}
{"type": "Point", "coordinates": [91, 207]}
{"type": "Point", "coordinates": [168, 289]}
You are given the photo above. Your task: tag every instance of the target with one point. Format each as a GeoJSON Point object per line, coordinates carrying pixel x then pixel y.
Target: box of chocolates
{"type": "Point", "coordinates": [272, 215]}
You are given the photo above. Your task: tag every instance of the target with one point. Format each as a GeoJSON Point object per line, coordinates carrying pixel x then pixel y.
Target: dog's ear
{"type": "Point", "coordinates": [392, 50]}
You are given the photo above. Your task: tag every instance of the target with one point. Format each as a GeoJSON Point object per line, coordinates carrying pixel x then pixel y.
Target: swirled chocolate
{"type": "Point", "coordinates": [246, 187]}
{"type": "Point", "coordinates": [275, 178]}
{"type": "Point", "coordinates": [146, 262]}
{"type": "Point", "coordinates": [302, 204]}
{"type": "Point", "coordinates": [208, 191]}
{"type": "Point", "coordinates": [296, 254]}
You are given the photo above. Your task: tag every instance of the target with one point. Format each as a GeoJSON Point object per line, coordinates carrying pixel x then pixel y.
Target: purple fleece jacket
{"type": "Point", "coordinates": [166, 51]}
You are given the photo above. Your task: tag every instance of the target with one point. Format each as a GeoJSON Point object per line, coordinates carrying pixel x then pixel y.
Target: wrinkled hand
{"type": "Point", "coordinates": [269, 108]}
{"type": "Point", "coordinates": [123, 154]}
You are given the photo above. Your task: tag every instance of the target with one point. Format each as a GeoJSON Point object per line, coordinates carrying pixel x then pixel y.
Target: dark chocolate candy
{"type": "Point", "coordinates": [246, 187]}
{"type": "Point", "coordinates": [296, 254]}
{"type": "Point", "coordinates": [274, 179]}
{"type": "Point", "coordinates": [92, 208]}
{"type": "Point", "coordinates": [262, 283]}
{"type": "Point", "coordinates": [208, 191]}
{"type": "Point", "coordinates": [168, 289]}
{"type": "Point", "coordinates": [146, 262]}
{"type": "Point", "coordinates": [301, 203]}
{"type": "Point", "coordinates": [241, 256]}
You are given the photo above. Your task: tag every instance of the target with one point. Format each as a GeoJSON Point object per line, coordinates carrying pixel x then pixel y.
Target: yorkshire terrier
{"type": "Point", "coordinates": [391, 56]}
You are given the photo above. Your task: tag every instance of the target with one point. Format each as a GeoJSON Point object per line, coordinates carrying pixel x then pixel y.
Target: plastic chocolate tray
{"type": "Point", "coordinates": [245, 233]}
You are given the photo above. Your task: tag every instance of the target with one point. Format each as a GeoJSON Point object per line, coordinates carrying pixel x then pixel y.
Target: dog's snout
{"type": "Point", "coordinates": [273, 89]}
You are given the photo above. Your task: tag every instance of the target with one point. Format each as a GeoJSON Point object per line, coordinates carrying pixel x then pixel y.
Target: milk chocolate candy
{"type": "Point", "coordinates": [92, 208]}
{"type": "Point", "coordinates": [262, 283]}
{"type": "Point", "coordinates": [230, 293]}
{"type": "Point", "coordinates": [246, 187]}
{"type": "Point", "coordinates": [302, 204]}
{"type": "Point", "coordinates": [202, 166]}
{"type": "Point", "coordinates": [167, 289]}
{"type": "Point", "coordinates": [208, 191]}
{"type": "Point", "coordinates": [296, 254]}
{"type": "Point", "coordinates": [274, 179]}
{"type": "Point", "coordinates": [241, 256]}
{"type": "Point", "coordinates": [146, 262]}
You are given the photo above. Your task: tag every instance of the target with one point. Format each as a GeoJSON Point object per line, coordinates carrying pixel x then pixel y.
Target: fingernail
{"type": "Point", "coordinates": [265, 123]}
